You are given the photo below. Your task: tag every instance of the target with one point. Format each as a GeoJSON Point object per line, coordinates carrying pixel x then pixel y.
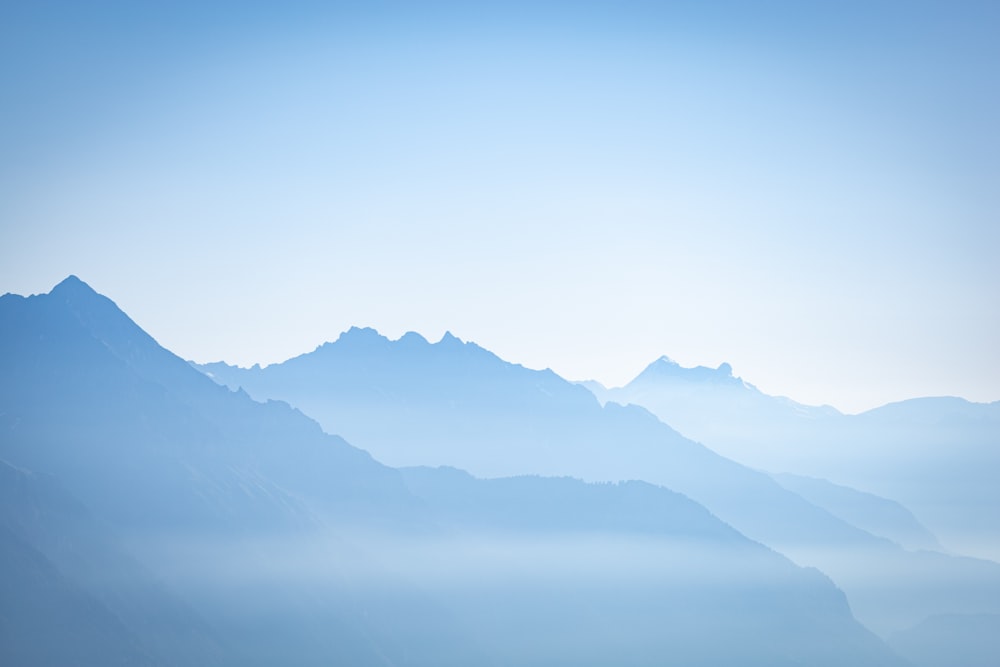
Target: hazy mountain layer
{"type": "Point", "coordinates": [937, 456]}
{"type": "Point", "coordinates": [879, 516]}
{"type": "Point", "coordinates": [454, 403]}
{"type": "Point", "coordinates": [410, 402]}
{"type": "Point", "coordinates": [224, 531]}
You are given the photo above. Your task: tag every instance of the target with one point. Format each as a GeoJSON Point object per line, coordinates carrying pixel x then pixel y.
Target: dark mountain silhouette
{"type": "Point", "coordinates": [456, 404]}
{"type": "Point", "coordinates": [197, 526]}
{"type": "Point", "coordinates": [936, 456]}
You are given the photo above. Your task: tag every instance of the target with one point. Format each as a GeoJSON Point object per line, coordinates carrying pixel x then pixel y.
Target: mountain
{"type": "Point", "coordinates": [878, 516]}
{"type": "Point", "coordinates": [712, 406]}
{"type": "Point", "coordinates": [936, 456]}
{"type": "Point", "coordinates": [410, 402]}
{"type": "Point", "coordinates": [653, 547]}
{"type": "Point", "coordinates": [172, 521]}
{"type": "Point", "coordinates": [199, 483]}
{"type": "Point", "coordinates": [451, 403]}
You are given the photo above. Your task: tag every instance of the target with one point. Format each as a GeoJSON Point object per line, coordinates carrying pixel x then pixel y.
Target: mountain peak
{"type": "Point", "coordinates": [412, 338]}
{"type": "Point", "coordinates": [361, 335]}
{"type": "Point", "coordinates": [666, 369]}
{"type": "Point", "coordinates": [71, 285]}
{"type": "Point", "coordinates": [449, 338]}
{"type": "Point", "coordinates": [88, 304]}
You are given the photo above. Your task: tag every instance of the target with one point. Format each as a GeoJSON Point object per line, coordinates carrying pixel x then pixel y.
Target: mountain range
{"type": "Point", "coordinates": [454, 403]}
{"type": "Point", "coordinates": [151, 516]}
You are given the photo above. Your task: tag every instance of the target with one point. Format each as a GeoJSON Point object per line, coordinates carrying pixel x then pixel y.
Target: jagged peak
{"type": "Point", "coordinates": [665, 367]}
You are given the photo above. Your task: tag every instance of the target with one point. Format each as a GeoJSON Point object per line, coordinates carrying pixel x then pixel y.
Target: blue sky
{"type": "Point", "coordinates": [805, 190]}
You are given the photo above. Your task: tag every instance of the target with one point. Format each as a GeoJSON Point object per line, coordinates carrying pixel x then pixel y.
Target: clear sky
{"type": "Point", "coordinates": [807, 190]}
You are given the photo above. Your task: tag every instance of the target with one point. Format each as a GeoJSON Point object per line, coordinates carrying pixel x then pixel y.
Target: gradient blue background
{"type": "Point", "coordinates": [806, 190]}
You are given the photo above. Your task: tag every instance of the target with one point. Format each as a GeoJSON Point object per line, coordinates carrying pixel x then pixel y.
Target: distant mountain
{"type": "Point", "coordinates": [713, 406]}
{"type": "Point", "coordinates": [411, 402]}
{"type": "Point", "coordinates": [678, 580]}
{"type": "Point", "coordinates": [939, 457]}
{"type": "Point", "coordinates": [139, 498]}
{"type": "Point", "coordinates": [879, 516]}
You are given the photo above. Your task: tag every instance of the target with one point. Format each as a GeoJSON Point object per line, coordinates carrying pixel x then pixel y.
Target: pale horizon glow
{"type": "Point", "coordinates": [806, 193]}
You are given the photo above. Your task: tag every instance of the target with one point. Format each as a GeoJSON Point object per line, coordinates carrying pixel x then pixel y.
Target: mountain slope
{"type": "Point", "coordinates": [879, 516]}
{"type": "Point", "coordinates": [712, 406]}
{"type": "Point", "coordinates": [649, 554]}
{"type": "Point", "coordinates": [47, 620]}
{"type": "Point", "coordinates": [70, 554]}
